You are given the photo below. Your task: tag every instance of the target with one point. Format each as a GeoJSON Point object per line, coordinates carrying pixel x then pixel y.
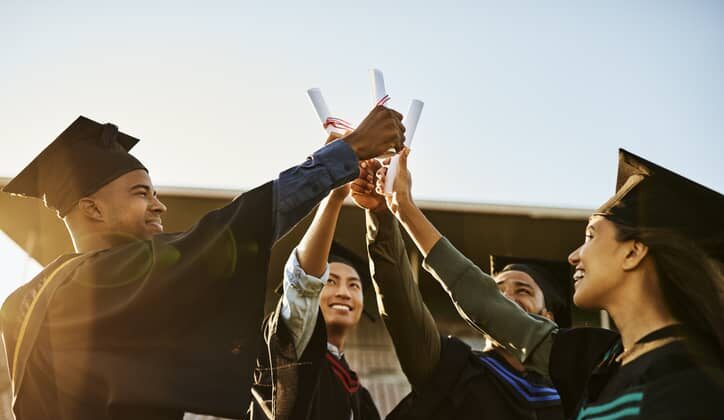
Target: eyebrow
{"type": "Point", "coordinates": [517, 282]}
{"type": "Point", "coordinates": [144, 187]}
{"type": "Point", "coordinates": [337, 276]}
{"type": "Point", "coordinates": [522, 284]}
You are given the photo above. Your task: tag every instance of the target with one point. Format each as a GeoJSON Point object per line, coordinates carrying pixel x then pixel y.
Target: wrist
{"type": "Point", "coordinates": [382, 213]}
{"type": "Point", "coordinates": [336, 198]}
{"type": "Point", "coordinates": [405, 207]}
{"type": "Point", "coordinates": [381, 210]}
{"type": "Point", "coordinates": [351, 140]}
{"type": "Point", "coordinates": [405, 199]}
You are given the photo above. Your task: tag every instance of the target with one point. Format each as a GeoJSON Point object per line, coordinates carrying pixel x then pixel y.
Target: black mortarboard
{"type": "Point", "coordinates": [339, 253]}
{"type": "Point", "coordinates": [553, 277]}
{"type": "Point", "coordinates": [86, 156]}
{"type": "Point", "coordinates": [649, 196]}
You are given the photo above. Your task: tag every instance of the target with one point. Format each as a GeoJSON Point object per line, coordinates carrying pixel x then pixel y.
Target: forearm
{"type": "Point", "coordinates": [300, 302]}
{"type": "Point", "coordinates": [300, 188]}
{"type": "Point", "coordinates": [313, 249]}
{"type": "Point", "coordinates": [421, 230]}
{"type": "Point", "coordinates": [409, 322]}
{"type": "Point", "coordinates": [479, 302]}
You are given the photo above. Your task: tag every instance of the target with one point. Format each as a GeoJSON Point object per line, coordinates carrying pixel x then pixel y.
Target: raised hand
{"type": "Point", "coordinates": [380, 131]}
{"type": "Point", "coordinates": [363, 188]}
{"type": "Point", "coordinates": [422, 232]}
{"type": "Point", "coordinates": [402, 188]}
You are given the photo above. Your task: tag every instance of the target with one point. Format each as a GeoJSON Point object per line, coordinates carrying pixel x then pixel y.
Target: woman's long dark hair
{"type": "Point", "coordinates": [692, 283]}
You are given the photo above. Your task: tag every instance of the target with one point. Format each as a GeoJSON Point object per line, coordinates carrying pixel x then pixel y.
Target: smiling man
{"type": "Point", "coordinates": [326, 288]}
{"type": "Point", "coordinates": [140, 324]}
{"type": "Point", "coordinates": [125, 208]}
{"type": "Point", "coordinates": [539, 287]}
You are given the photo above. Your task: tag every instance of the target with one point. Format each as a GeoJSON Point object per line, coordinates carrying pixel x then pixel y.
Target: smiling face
{"type": "Point", "coordinates": [520, 288]}
{"type": "Point", "coordinates": [129, 206]}
{"type": "Point", "coordinates": [341, 299]}
{"type": "Point", "coordinates": [599, 265]}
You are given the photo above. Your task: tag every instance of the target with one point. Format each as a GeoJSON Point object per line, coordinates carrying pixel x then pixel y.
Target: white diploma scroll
{"type": "Point", "coordinates": [410, 123]}
{"type": "Point", "coordinates": [379, 93]}
{"type": "Point", "coordinates": [330, 123]}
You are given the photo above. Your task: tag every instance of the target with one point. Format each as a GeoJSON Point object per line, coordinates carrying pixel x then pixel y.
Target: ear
{"type": "Point", "coordinates": [635, 255]}
{"type": "Point", "coordinates": [90, 209]}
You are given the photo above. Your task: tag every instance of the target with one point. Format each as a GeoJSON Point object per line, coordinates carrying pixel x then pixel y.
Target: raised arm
{"type": "Point", "coordinates": [307, 271]}
{"type": "Point", "coordinates": [473, 292]}
{"type": "Point", "coordinates": [409, 322]}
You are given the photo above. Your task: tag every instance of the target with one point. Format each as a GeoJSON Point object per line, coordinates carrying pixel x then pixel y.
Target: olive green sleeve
{"type": "Point", "coordinates": [408, 321]}
{"type": "Point", "coordinates": [477, 299]}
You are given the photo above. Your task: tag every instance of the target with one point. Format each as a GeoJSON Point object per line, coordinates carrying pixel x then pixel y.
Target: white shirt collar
{"type": "Point", "coordinates": [334, 350]}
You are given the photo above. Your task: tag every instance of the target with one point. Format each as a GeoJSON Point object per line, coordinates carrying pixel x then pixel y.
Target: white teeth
{"type": "Point", "coordinates": [341, 307]}
{"type": "Point", "coordinates": [578, 275]}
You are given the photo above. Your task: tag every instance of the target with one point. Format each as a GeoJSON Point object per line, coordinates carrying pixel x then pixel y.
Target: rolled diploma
{"type": "Point", "coordinates": [378, 86]}
{"type": "Point", "coordinates": [410, 123]}
{"type": "Point", "coordinates": [320, 105]}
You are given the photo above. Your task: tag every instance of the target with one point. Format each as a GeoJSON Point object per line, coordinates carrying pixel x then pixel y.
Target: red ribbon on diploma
{"type": "Point", "coordinates": [338, 123]}
{"type": "Point", "coordinates": [383, 100]}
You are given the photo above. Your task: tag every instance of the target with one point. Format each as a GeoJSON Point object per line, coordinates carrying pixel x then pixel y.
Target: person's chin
{"type": "Point", "coordinates": [154, 228]}
{"type": "Point", "coordinates": [584, 300]}
{"type": "Point", "coordinates": [341, 321]}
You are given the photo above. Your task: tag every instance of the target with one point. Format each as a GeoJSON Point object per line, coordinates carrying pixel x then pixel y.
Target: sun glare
{"type": "Point", "coordinates": [18, 266]}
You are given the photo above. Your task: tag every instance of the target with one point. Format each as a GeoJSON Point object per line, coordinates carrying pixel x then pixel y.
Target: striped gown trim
{"type": "Point", "coordinates": [531, 392]}
{"type": "Point", "coordinates": [623, 406]}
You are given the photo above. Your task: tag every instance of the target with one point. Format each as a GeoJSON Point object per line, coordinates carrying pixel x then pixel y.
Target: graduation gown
{"type": "Point", "coordinates": [468, 384]}
{"type": "Point", "coordinates": [679, 380]}
{"type": "Point", "coordinates": [149, 329]}
{"type": "Point", "coordinates": [317, 386]}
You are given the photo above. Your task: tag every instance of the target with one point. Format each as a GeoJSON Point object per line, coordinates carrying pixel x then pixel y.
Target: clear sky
{"type": "Point", "coordinates": [526, 103]}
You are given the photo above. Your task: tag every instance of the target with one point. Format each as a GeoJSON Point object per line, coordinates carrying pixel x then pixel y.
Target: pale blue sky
{"type": "Point", "coordinates": [526, 101]}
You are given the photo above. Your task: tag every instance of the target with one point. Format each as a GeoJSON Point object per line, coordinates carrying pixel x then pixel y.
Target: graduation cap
{"type": "Point", "coordinates": [650, 196]}
{"type": "Point", "coordinates": [339, 253]}
{"type": "Point", "coordinates": [84, 157]}
{"type": "Point", "coordinates": [553, 277]}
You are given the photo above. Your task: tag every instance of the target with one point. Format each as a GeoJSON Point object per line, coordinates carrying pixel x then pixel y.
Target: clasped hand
{"type": "Point", "coordinates": [368, 189]}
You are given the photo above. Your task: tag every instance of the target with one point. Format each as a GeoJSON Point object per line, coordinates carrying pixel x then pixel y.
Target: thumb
{"type": "Point", "coordinates": [403, 159]}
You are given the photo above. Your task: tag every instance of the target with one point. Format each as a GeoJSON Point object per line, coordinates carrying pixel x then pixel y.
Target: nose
{"type": "Point", "coordinates": [343, 292]}
{"type": "Point", "coordinates": [157, 206]}
{"type": "Point", "coordinates": [575, 257]}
